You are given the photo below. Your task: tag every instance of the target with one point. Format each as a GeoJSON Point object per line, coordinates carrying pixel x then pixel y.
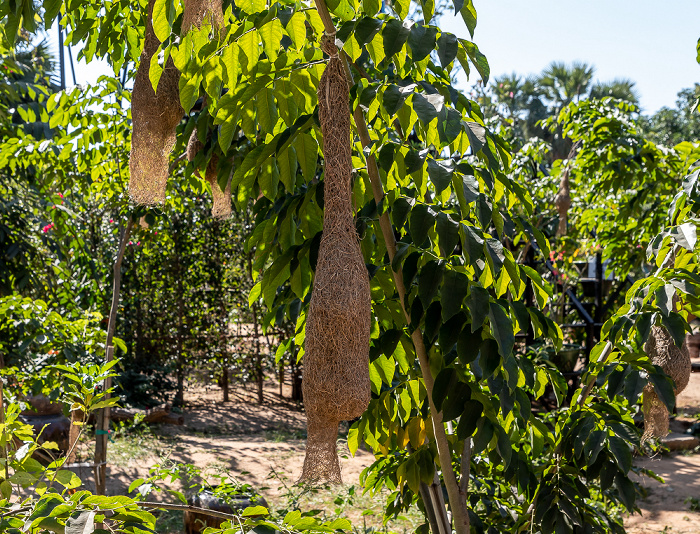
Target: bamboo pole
{"type": "Point", "coordinates": [457, 497]}
{"type": "Point", "coordinates": [103, 416]}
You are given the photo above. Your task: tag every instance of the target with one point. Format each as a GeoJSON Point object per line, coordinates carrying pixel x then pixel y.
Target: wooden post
{"type": "Point", "coordinates": [457, 497]}
{"type": "Point", "coordinates": [103, 416]}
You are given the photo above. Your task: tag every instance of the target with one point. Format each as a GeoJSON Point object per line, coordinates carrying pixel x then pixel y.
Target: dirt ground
{"type": "Point", "coordinates": [673, 507]}
{"type": "Point", "coordinates": [264, 446]}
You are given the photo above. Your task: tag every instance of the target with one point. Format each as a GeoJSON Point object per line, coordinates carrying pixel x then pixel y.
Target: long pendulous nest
{"type": "Point", "coordinates": [155, 115]}
{"type": "Point", "coordinates": [336, 384]}
{"type": "Point", "coordinates": [194, 14]}
{"type": "Point", "coordinates": [675, 361]}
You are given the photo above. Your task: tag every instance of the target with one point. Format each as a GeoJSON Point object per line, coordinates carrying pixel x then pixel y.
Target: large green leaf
{"type": "Point", "coordinates": [429, 281]}
{"type": "Point", "coordinates": [421, 40]}
{"type": "Point", "coordinates": [502, 328]}
{"type": "Point", "coordinates": [454, 289]}
{"type": "Point", "coordinates": [395, 34]}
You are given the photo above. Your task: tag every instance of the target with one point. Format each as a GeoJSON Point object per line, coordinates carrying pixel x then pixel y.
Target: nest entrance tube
{"type": "Point", "coordinates": [675, 361]}
{"type": "Point", "coordinates": [336, 383]}
{"type": "Point", "coordinates": [155, 115]}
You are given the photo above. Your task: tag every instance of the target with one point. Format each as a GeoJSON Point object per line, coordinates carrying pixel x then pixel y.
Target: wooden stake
{"type": "Point", "coordinates": [103, 416]}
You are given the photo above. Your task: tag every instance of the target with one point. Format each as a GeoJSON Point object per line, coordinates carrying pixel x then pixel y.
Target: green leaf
{"type": "Point", "coordinates": [477, 58]}
{"type": "Point", "coordinates": [468, 14]}
{"type": "Point", "coordinates": [427, 106]}
{"type": "Point", "coordinates": [448, 234]}
{"type": "Point", "coordinates": [663, 386]}
{"type": "Point", "coordinates": [421, 221]}
{"type": "Point", "coordinates": [366, 29]}
{"type": "Point", "coordinates": [394, 96]}
{"type": "Point", "coordinates": [394, 35]}
{"type": "Point", "coordinates": [468, 345]}
{"type": "Point", "coordinates": [489, 358]}
{"type": "Point", "coordinates": [502, 328]}
{"type": "Point", "coordinates": [253, 511]}
{"type": "Point", "coordinates": [307, 155]}
{"type": "Point", "coordinates": [447, 48]}
{"type": "Point", "coordinates": [429, 281]}
{"type": "Point", "coordinates": [444, 381]}
{"type": "Point", "coordinates": [421, 40]}
{"type": "Point", "coordinates": [296, 29]}
{"type": "Point", "coordinates": [163, 17]}
{"type": "Point", "coordinates": [83, 524]}
{"type": "Point", "coordinates": [454, 289]}
{"type": "Point", "coordinates": [250, 6]}
{"type": "Point", "coordinates": [479, 306]}
{"type": "Point", "coordinates": [287, 161]}
{"type": "Point", "coordinates": [621, 453]}
{"type": "Point", "coordinates": [271, 35]}
{"type": "Point", "coordinates": [469, 418]}
{"type": "Point", "coordinates": [440, 173]}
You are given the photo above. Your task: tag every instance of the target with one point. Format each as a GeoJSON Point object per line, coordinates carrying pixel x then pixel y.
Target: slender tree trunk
{"type": "Point", "coordinates": [180, 370]}
{"type": "Point", "coordinates": [224, 379]}
{"type": "Point", "coordinates": [77, 418]}
{"type": "Point", "coordinates": [103, 416]}
{"type": "Point", "coordinates": [3, 449]}
{"type": "Point", "coordinates": [281, 378]}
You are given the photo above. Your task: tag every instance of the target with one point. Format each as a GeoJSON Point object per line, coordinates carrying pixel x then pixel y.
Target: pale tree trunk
{"type": "Point", "coordinates": [103, 416]}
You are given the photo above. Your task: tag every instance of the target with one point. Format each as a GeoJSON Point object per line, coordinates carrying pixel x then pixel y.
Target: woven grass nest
{"type": "Point", "coordinates": [336, 384]}
{"type": "Point", "coordinates": [221, 206]}
{"type": "Point", "coordinates": [155, 115]}
{"type": "Point", "coordinates": [675, 361]}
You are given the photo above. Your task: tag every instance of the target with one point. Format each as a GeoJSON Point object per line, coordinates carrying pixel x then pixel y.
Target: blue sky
{"type": "Point", "coordinates": [649, 41]}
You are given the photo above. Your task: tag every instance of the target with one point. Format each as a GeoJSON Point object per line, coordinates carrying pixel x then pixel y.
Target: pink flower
{"type": "Point", "coordinates": [139, 243]}
{"type": "Point", "coordinates": [111, 220]}
{"type": "Point", "coordinates": [156, 233]}
{"type": "Point", "coordinates": [511, 94]}
{"type": "Point", "coordinates": [131, 242]}
{"type": "Point", "coordinates": [60, 195]}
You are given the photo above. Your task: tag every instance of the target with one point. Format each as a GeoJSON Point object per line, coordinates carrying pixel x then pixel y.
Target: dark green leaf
{"type": "Point", "coordinates": [448, 234]}
{"type": "Point", "coordinates": [421, 221]}
{"type": "Point", "coordinates": [422, 41]}
{"type": "Point", "coordinates": [447, 48]}
{"type": "Point", "coordinates": [440, 173]}
{"type": "Point", "coordinates": [469, 419]}
{"type": "Point", "coordinates": [468, 345]}
{"type": "Point", "coordinates": [366, 29]}
{"type": "Point", "coordinates": [429, 281]}
{"type": "Point", "coordinates": [454, 288]}
{"type": "Point", "coordinates": [395, 34]}
{"type": "Point", "coordinates": [479, 307]}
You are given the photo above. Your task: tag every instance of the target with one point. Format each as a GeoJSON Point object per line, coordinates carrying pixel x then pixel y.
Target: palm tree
{"type": "Point", "coordinates": [562, 84]}
{"type": "Point", "coordinates": [619, 88]}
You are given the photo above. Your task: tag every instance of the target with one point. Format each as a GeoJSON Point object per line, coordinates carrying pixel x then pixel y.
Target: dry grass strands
{"type": "Point", "coordinates": [675, 362]}
{"type": "Point", "coordinates": [336, 382]}
{"type": "Point", "coordinates": [195, 11]}
{"type": "Point", "coordinates": [221, 208]}
{"type": "Point", "coordinates": [155, 115]}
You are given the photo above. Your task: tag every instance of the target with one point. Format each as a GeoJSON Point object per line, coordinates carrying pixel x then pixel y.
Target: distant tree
{"type": "Point", "coordinates": [670, 126]}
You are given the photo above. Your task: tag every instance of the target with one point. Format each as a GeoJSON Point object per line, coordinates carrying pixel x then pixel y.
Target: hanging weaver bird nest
{"type": "Point", "coordinates": [336, 384]}
{"type": "Point", "coordinates": [195, 11]}
{"type": "Point", "coordinates": [221, 208]}
{"type": "Point", "coordinates": [675, 362]}
{"type": "Point", "coordinates": [155, 115]}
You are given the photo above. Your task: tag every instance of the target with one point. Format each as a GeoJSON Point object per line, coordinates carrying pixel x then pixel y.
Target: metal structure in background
{"type": "Point", "coordinates": [62, 58]}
